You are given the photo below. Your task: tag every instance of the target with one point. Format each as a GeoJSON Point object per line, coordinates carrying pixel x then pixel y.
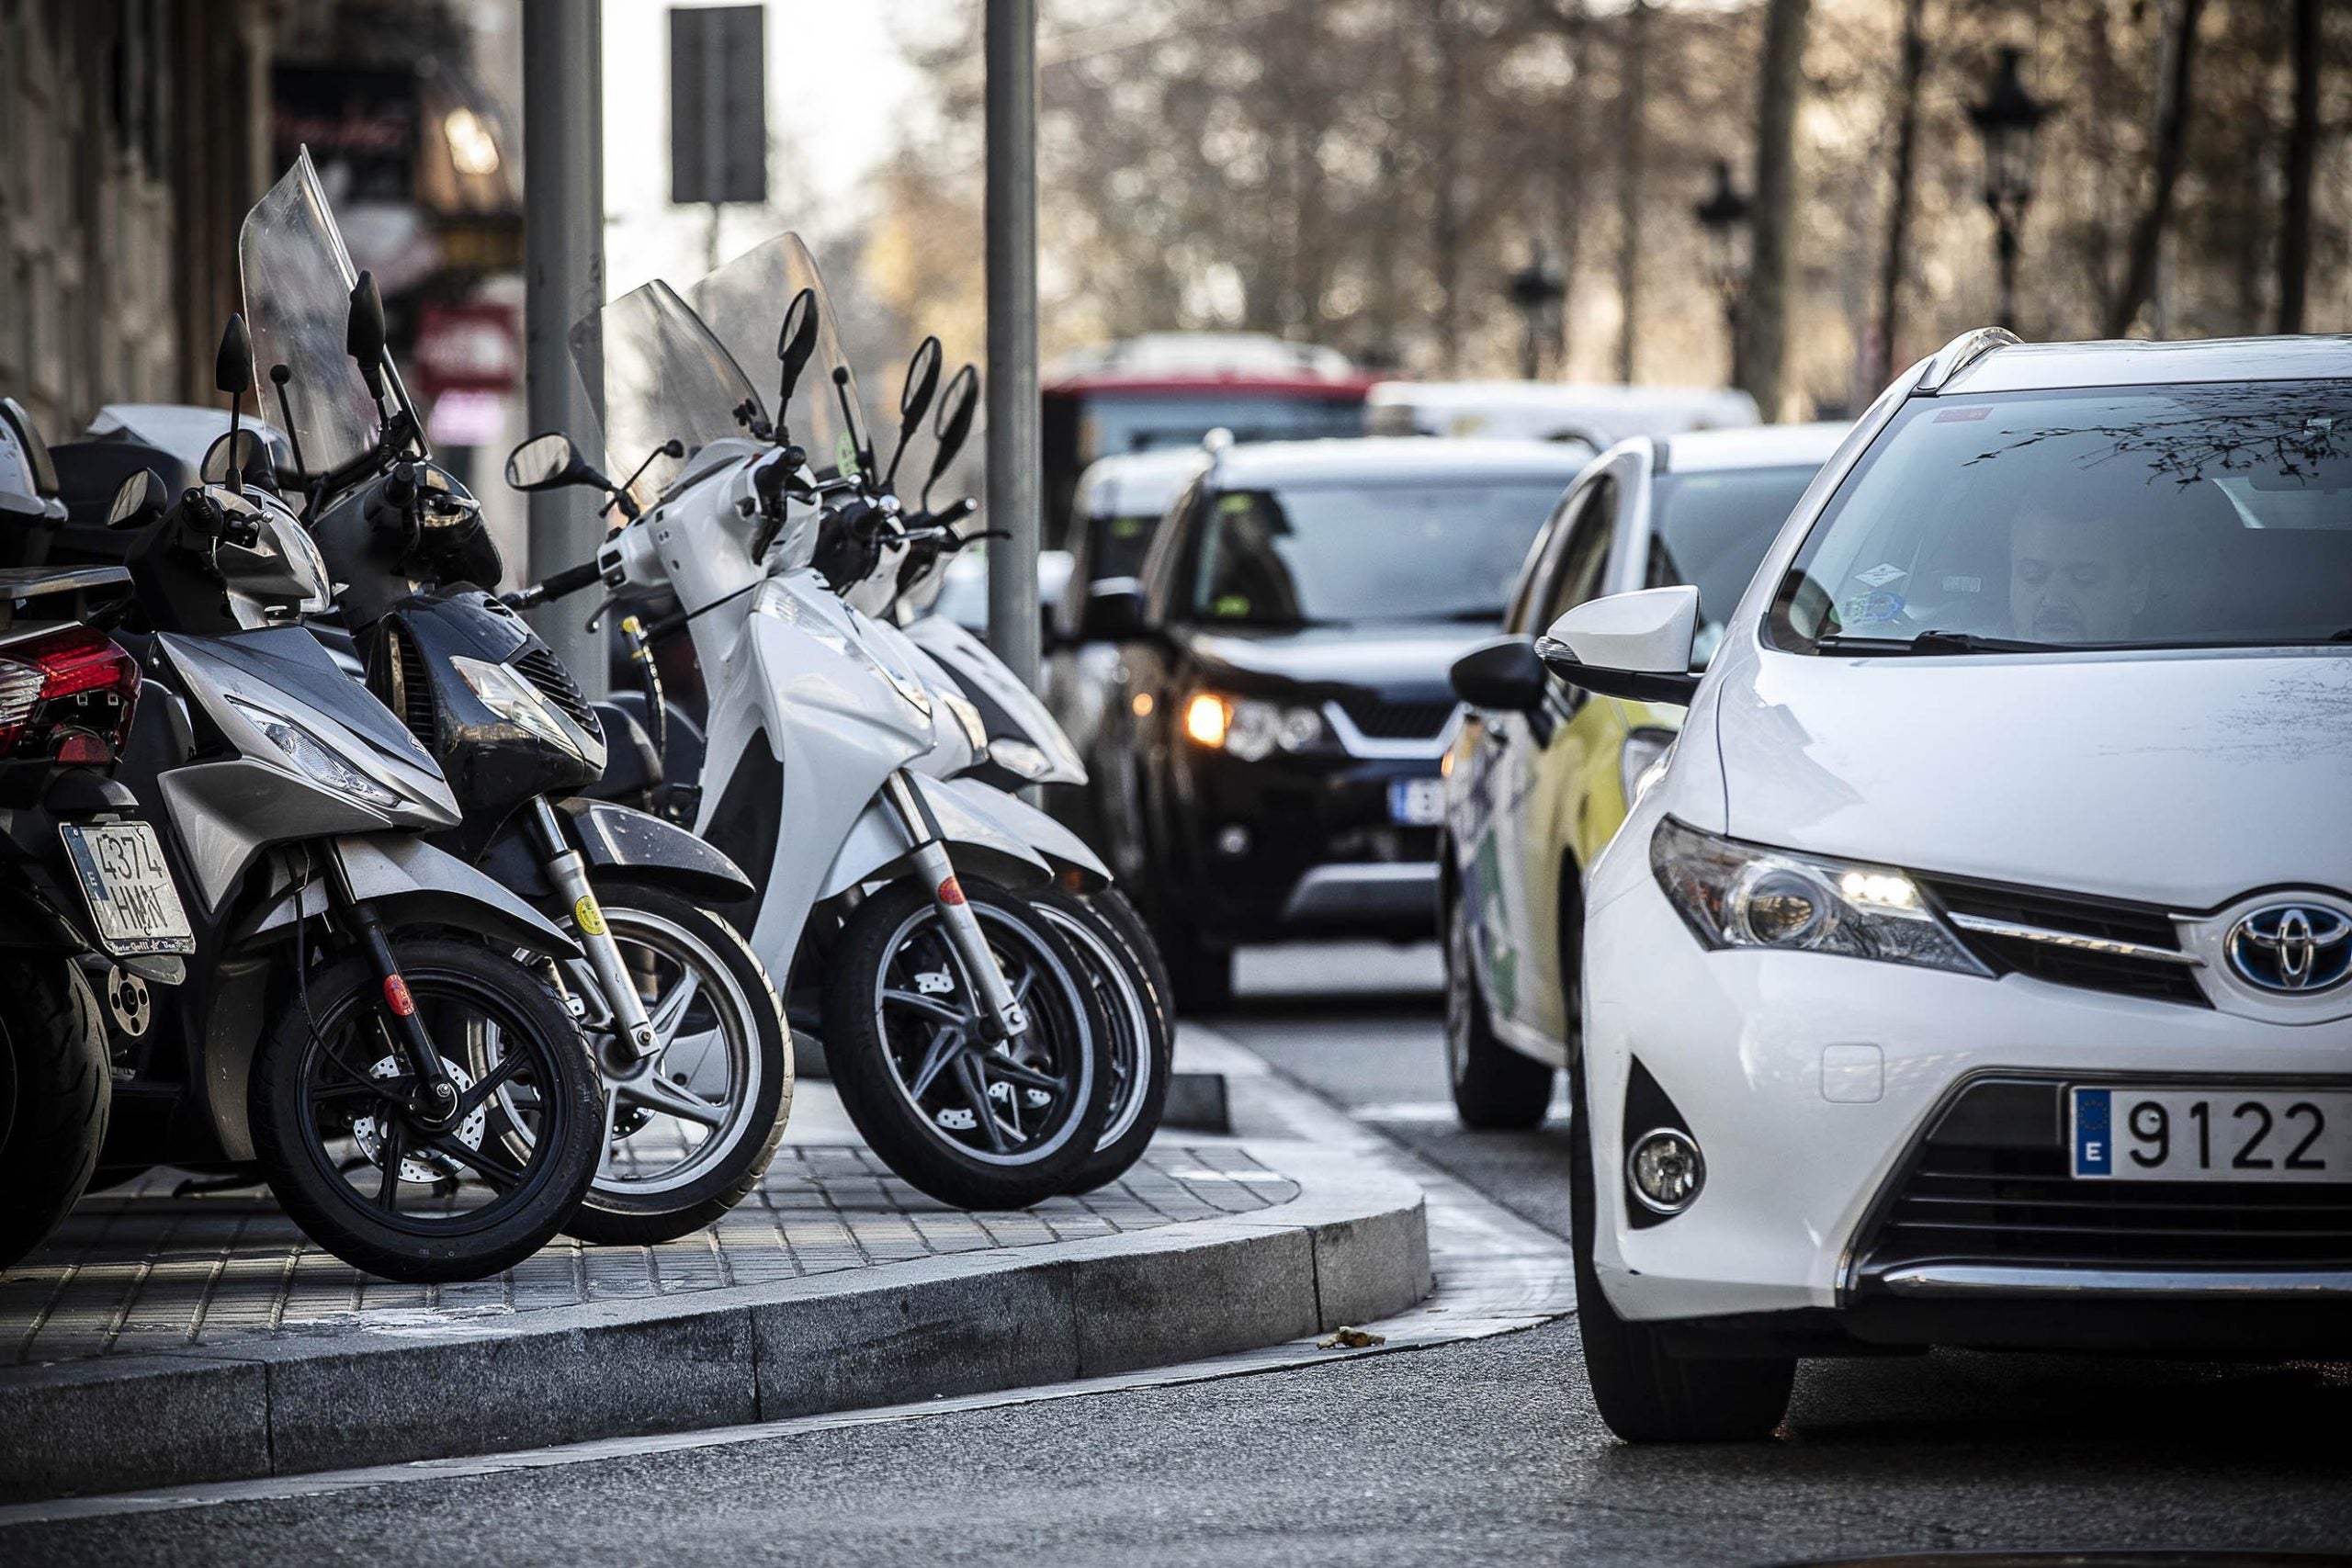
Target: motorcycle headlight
{"type": "Point", "coordinates": [1019, 759]}
{"type": "Point", "coordinates": [315, 757]}
{"type": "Point", "coordinates": [1642, 759]}
{"type": "Point", "coordinates": [1250, 728]}
{"type": "Point", "coordinates": [506, 692]}
{"type": "Point", "coordinates": [1735, 894]}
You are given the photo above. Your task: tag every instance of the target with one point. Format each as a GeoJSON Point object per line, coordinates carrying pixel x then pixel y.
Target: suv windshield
{"type": "Point", "coordinates": [1393, 551]}
{"type": "Point", "coordinates": [2202, 515]}
{"type": "Point", "coordinates": [1712, 530]}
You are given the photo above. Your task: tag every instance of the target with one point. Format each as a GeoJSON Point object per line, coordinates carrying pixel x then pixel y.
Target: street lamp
{"type": "Point", "coordinates": [1536, 290]}
{"type": "Point", "coordinates": [2007, 122]}
{"type": "Point", "coordinates": [1723, 218]}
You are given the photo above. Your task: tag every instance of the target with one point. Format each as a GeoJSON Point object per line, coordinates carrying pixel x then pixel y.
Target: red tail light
{"type": "Point", "coordinates": [69, 694]}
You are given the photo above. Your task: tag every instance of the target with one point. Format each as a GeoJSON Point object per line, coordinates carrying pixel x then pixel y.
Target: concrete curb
{"type": "Point", "coordinates": [1353, 1246]}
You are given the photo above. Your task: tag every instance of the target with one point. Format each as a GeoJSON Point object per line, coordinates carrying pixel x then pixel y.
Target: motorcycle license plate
{"type": "Point", "coordinates": [1417, 803]}
{"type": "Point", "coordinates": [2203, 1133]}
{"type": "Point", "coordinates": [129, 888]}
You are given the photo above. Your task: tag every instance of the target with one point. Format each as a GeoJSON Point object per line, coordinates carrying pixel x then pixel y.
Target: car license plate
{"type": "Point", "coordinates": [1417, 803]}
{"type": "Point", "coordinates": [2121, 1133]}
{"type": "Point", "coordinates": [129, 888]}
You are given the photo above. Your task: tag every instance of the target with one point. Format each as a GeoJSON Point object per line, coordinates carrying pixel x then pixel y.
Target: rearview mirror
{"type": "Point", "coordinates": [952, 425]}
{"type": "Point", "coordinates": [544, 462]}
{"type": "Point", "coordinates": [1635, 646]}
{"type": "Point", "coordinates": [922, 384]}
{"type": "Point", "coordinates": [795, 344]}
{"type": "Point", "coordinates": [140, 501]}
{"type": "Point", "coordinates": [1501, 676]}
{"type": "Point", "coordinates": [1114, 612]}
{"type": "Point", "coordinates": [233, 366]}
{"type": "Point", "coordinates": [364, 333]}
{"type": "Point", "coordinates": [239, 452]}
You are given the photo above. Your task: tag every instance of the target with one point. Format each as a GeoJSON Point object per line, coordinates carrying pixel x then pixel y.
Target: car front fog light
{"type": "Point", "coordinates": [1667, 1170]}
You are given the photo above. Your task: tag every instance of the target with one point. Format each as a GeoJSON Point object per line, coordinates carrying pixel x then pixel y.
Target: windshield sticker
{"type": "Point", "coordinates": [1963, 416]}
{"type": "Point", "coordinates": [1233, 503]}
{"type": "Point", "coordinates": [1963, 585]}
{"type": "Point", "coordinates": [1881, 575]}
{"type": "Point", "coordinates": [846, 452]}
{"type": "Point", "coordinates": [1231, 605]}
{"type": "Point", "coordinates": [1875, 605]}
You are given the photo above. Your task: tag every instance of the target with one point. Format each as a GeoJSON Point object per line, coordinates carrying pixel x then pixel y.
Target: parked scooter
{"type": "Point", "coordinates": [963, 1033]}
{"type": "Point", "coordinates": [66, 696]}
{"type": "Point", "coordinates": [418, 1100]}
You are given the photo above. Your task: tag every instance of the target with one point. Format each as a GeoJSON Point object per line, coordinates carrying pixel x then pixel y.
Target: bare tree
{"type": "Point", "coordinates": [1632, 103]}
{"type": "Point", "coordinates": [2171, 151]}
{"type": "Point", "coordinates": [1912, 65]}
{"type": "Point", "coordinates": [1766, 315]}
{"type": "Point", "coordinates": [2302, 152]}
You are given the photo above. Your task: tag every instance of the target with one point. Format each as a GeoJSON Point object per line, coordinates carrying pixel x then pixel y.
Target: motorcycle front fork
{"type": "Point", "coordinates": [567, 870]}
{"type": "Point", "coordinates": [1001, 1014]}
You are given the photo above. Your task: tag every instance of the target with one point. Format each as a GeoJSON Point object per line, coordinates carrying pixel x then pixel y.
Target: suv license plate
{"type": "Point", "coordinates": [2122, 1134]}
{"type": "Point", "coordinates": [1417, 803]}
{"type": "Point", "coordinates": [129, 888]}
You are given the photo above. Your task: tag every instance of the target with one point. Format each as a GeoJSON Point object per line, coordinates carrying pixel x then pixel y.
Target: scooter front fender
{"type": "Point", "coordinates": [620, 838]}
{"type": "Point", "coordinates": [1063, 851]}
{"type": "Point", "coordinates": [410, 882]}
{"type": "Point", "coordinates": [876, 848]}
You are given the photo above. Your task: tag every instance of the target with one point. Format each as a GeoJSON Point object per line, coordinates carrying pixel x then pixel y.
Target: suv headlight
{"type": "Point", "coordinates": [1251, 728]}
{"type": "Point", "coordinates": [504, 691]}
{"type": "Point", "coordinates": [1641, 759]}
{"type": "Point", "coordinates": [1736, 894]}
{"type": "Point", "coordinates": [315, 757]}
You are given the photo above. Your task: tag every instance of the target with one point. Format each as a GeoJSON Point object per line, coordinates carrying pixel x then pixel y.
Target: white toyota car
{"type": "Point", "coordinates": [1976, 969]}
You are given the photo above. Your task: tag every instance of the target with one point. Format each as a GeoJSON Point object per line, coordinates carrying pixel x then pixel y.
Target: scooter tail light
{"type": "Point", "coordinates": [72, 690]}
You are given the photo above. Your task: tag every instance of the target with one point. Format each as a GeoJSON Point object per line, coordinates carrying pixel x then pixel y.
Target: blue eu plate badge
{"type": "Point", "coordinates": [2094, 1132]}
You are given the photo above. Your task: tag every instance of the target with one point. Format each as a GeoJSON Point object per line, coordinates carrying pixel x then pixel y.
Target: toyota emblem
{"type": "Point", "coordinates": [2297, 949]}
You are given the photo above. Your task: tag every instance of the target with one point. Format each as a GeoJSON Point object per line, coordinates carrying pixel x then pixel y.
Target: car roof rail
{"type": "Point", "coordinates": [1960, 354]}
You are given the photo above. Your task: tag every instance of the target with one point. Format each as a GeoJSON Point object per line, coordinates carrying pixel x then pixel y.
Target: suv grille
{"type": "Point", "coordinates": [2142, 925]}
{"type": "Point", "coordinates": [1989, 1185]}
{"type": "Point", "coordinates": [545, 671]}
{"type": "Point", "coordinates": [1397, 721]}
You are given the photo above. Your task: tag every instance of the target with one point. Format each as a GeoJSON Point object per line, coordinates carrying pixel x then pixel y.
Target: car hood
{"type": "Point", "coordinates": [1392, 657]}
{"type": "Point", "coordinates": [2185, 779]}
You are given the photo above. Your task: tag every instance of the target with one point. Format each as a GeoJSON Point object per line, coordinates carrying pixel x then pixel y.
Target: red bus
{"type": "Point", "coordinates": [1171, 389]}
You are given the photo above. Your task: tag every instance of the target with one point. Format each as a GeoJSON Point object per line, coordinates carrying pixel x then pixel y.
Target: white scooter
{"type": "Point", "coordinates": [963, 1034]}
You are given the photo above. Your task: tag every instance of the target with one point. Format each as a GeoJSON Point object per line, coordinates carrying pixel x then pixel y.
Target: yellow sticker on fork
{"type": "Point", "coordinates": [587, 916]}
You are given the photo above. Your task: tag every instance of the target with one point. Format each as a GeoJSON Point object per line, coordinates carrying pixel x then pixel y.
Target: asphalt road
{"type": "Point", "coordinates": [1481, 1452]}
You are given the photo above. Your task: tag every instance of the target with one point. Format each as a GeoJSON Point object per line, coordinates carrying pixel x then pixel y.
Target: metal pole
{"type": "Point", "coordinates": [563, 258]}
{"type": "Point", "coordinates": [1016, 453]}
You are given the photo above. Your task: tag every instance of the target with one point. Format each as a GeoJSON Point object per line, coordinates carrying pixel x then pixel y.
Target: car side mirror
{"type": "Point", "coordinates": [139, 501]}
{"type": "Point", "coordinates": [1635, 646]}
{"type": "Point", "coordinates": [1113, 613]}
{"type": "Point", "coordinates": [1500, 676]}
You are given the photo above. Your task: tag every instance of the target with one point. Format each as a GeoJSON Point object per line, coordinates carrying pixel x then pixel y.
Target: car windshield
{"type": "Point", "coordinates": [1405, 550]}
{"type": "Point", "coordinates": [298, 279]}
{"type": "Point", "coordinates": [2204, 515]}
{"type": "Point", "coordinates": [1712, 530]}
{"type": "Point", "coordinates": [1114, 422]}
{"type": "Point", "coordinates": [1119, 545]}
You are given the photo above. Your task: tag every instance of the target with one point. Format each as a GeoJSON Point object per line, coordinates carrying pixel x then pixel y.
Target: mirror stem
{"type": "Point", "coordinates": [278, 376]}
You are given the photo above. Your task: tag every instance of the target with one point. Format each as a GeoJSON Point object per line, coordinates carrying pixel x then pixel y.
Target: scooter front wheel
{"type": "Point", "coordinates": [978, 1123]}
{"type": "Point", "coordinates": [461, 1197]}
{"type": "Point", "coordinates": [1124, 967]}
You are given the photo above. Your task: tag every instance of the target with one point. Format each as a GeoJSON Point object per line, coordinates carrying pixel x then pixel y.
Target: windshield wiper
{"type": "Point", "coordinates": [1934, 642]}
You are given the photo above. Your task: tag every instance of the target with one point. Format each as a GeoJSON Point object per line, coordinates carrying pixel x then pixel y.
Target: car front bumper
{"type": "Point", "coordinates": [1816, 1085]}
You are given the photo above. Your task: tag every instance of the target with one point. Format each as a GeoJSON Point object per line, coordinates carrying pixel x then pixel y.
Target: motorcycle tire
{"type": "Point", "coordinates": [902, 1032]}
{"type": "Point", "coordinates": [56, 1090]}
{"type": "Point", "coordinates": [650, 1106]}
{"type": "Point", "coordinates": [1107, 936]}
{"type": "Point", "coordinates": [341, 1151]}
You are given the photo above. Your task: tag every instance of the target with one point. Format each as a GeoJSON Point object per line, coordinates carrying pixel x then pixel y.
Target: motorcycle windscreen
{"type": "Point", "coordinates": [653, 367]}
{"type": "Point", "coordinates": [744, 304]}
{"type": "Point", "coordinates": [298, 279]}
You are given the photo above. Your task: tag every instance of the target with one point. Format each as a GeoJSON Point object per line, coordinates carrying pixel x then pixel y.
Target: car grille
{"type": "Point", "coordinates": [1989, 1185]}
{"type": "Point", "coordinates": [545, 671]}
{"type": "Point", "coordinates": [2141, 925]}
{"type": "Point", "coordinates": [1397, 721]}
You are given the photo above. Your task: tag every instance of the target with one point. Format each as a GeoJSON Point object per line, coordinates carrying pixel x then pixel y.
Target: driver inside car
{"type": "Point", "coordinates": [2074, 577]}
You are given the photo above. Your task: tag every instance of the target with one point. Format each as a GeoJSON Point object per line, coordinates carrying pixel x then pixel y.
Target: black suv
{"type": "Point", "coordinates": [1266, 762]}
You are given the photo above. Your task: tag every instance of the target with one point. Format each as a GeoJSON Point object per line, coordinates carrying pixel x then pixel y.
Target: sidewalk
{"type": "Point", "coordinates": [164, 1340]}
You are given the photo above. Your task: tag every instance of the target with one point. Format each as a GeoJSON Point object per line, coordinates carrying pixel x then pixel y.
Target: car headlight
{"type": "Point", "coordinates": [315, 757]}
{"type": "Point", "coordinates": [1736, 894]}
{"type": "Point", "coordinates": [1251, 728]}
{"type": "Point", "coordinates": [504, 691]}
{"type": "Point", "coordinates": [1019, 759]}
{"type": "Point", "coordinates": [1642, 759]}
{"type": "Point", "coordinates": [974, 727]}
